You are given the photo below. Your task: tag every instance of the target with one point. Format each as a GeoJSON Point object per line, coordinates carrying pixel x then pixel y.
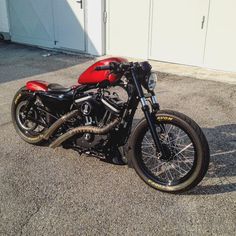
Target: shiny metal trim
{"type": "Point", "coordinates": [83, 99]}
{"type": "Point", "coordinates": [154, 100]}
{"type": "Point", "coordinates": [110, 106]}
{"type": "Point", "coordinates": [143, 101]}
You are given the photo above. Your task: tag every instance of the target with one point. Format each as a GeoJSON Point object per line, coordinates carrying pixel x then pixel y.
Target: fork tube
{"type": "Point", "coordinates": [147, 114]}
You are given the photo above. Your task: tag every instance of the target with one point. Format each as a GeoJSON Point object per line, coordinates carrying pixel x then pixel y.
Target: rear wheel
{"type": "Point", "coordinates": [186, 148]}
{"type": "Point", "coordinates": [23, 117]}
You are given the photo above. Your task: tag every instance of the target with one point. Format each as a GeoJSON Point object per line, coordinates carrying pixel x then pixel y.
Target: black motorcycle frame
{"type": "Point", "coordinates": [135, 76]}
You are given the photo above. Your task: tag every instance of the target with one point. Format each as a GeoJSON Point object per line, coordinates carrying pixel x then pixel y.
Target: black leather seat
{"type": "Point", "coordinates": [57, 88]}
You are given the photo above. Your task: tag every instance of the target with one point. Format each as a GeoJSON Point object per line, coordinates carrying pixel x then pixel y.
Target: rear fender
{"type": "Point", "coordinates": [37, 85]}
{"type": "Point", "coordinates": [23, 92]}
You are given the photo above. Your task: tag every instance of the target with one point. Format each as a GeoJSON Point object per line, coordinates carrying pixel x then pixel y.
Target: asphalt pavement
{"type": "Point", "coordinates": [58, 192]}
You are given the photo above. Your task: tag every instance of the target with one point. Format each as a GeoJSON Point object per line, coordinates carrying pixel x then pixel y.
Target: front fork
{"type": "Point", "coordinates": [149, 116]}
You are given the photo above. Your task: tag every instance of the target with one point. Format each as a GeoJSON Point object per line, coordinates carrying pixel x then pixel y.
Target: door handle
{"type": "Point", "coordinates": [203, 22]}
{"type": "Point", "coordinates": [81, 3]}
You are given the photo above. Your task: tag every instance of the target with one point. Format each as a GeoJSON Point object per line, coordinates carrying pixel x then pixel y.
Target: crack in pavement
{"type": "Point", "coordinates": [24, 225]}
{"type": "Point", "coordinates": [28, 220]}
{"type": "Point", "coordinates": [5, 124]}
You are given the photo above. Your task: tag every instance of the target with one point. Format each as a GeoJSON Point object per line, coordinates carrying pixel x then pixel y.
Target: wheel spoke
{"type": "Point", "coordinates": [187, 164]}
{"type": "Point", "coordinates": [158, 167]}
{"type": "Point", "coordinates": [149, 154]}
{"type": "Point", "coordinates": [181, 170]}
{"type": "Point", "coordinates": [168, 173]}
{"type": "Point", "coordinates": [178, 138]}
{"type": "Point", "coordinates": [189, 145]}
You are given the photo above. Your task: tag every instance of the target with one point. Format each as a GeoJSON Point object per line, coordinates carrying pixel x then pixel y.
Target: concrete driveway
{"type": "Point", "coordinates": [58, 192]}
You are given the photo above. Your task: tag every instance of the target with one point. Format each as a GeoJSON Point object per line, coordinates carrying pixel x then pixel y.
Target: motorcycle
{"type": "Point", "coordinates": [167, 149]}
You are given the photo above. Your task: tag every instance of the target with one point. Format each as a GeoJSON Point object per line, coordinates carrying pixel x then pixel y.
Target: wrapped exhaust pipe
{"type": "Point", "coordinates": [58, 123]}
{"type": "Point", "coordinates": [84, 129]}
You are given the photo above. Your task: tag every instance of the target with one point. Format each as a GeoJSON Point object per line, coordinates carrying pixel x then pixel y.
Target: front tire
{"type": "Point", "coordinates": [186, 147]}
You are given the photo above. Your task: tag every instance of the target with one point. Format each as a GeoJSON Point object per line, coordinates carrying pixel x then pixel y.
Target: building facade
{"type": "Point", "coordinates": [191, 32]}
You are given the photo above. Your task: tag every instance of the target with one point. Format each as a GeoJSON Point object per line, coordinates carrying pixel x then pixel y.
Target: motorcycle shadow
{"type": "Point", "coordinates": [221, 176]}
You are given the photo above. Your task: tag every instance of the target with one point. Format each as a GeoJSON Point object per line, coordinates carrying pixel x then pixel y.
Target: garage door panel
{"type": "Point", "coordinates": [221, 36]}
{"type": "Point", "coordinates": [69, 24]}
{"type": "Point", "coordinates": [178, 30]}
{"type": "Point", "coordinates": [48, 22]}
{"type": "Point", "coordinates": [127, 27]}
{"type": "Point", "coordinates": [4, 27]}
{"type": "Point", "coordinates": [32, 20]}
{"type": "Point", "coordinates": [42, 8]}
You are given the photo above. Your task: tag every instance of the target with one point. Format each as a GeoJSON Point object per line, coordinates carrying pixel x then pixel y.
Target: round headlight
{"type": "Point", "coordinates": [152, 81]}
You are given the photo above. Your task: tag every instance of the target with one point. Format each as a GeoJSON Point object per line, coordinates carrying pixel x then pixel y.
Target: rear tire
{"type": "Point", "coordinates": [197, 150]}
{"type": "Point", "coordinates": [21, 99]}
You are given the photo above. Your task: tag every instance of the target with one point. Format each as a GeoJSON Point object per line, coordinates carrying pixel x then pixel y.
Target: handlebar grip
{"type": "Point", "coordinates": [99, 68]}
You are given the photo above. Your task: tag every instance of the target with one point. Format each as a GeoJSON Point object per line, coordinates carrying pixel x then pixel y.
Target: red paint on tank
{"type": "Point", "coordinates": [37, 85]}
{"type": "Point", "coordinates": [91, 76]}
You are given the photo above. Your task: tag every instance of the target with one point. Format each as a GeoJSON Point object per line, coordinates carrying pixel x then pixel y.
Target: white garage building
{"type": "Point", "coordinates": [192, 32]}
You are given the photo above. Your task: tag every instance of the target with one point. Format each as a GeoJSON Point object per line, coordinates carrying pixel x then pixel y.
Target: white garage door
{"type": "Point", "coordinates": [165, 30]}
{"type": "Point", "coordinates": [127, 27]}
{"type": "Point", "coordinates": [31, 22]}
{"type": "Point", "coordinates": [69, 24]}
{"type": "Point", "coordinates": [221, 36]}
{"type": "Point", "coordinates": [4, 27]}
{"type": "Point", "coordinates": [48, 23]}
{"type": "Point", "coordinates": [178, 31]}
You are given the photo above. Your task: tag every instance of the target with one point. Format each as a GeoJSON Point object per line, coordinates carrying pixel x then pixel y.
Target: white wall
{"type": "Point", "coordinates": [95, 26]}
{"type": "Point", "coordinates": [221, 36]}
{"type": "Point", "coordinates": [128, 27]}
{"type": "Point", "coordinates": [4, 26]}
{"type": "Point", "coordinates": [177, 34]}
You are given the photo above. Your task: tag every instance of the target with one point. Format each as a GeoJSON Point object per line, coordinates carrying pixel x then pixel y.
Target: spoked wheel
{"type": "Point", "coordinates": [186, 149]}
{"type": "Point", "coordinates": [23, 117]}
{"type": "Point", "coordinates": [180, 160]}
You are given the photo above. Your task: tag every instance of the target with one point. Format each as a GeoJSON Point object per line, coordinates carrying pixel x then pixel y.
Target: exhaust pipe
{"type": "Point", "coordinates": [58, 123]}
{"type": "Point", "coordinates": [84, 129]}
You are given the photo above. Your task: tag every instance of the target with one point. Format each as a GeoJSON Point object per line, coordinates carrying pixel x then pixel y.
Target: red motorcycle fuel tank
{"type": "Point", "coordinates": [91, 76]}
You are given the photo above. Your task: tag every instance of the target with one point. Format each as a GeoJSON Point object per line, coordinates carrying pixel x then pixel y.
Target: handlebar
{"type": "Point", "coordinates": [99, 68]}
{"type": "Point", "coordinates": [116, 67]}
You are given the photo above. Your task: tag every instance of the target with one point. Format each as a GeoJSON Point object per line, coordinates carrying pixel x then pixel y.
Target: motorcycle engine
{"type": "Point", "coordinates": [97, 111]}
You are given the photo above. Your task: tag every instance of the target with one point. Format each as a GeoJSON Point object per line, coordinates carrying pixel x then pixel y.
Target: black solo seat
{"type": "Point", "coordinates": [57, 88]}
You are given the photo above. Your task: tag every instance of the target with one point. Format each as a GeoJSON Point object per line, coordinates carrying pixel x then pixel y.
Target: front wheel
{"type": "Point", "coordinates": [186, 148]}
